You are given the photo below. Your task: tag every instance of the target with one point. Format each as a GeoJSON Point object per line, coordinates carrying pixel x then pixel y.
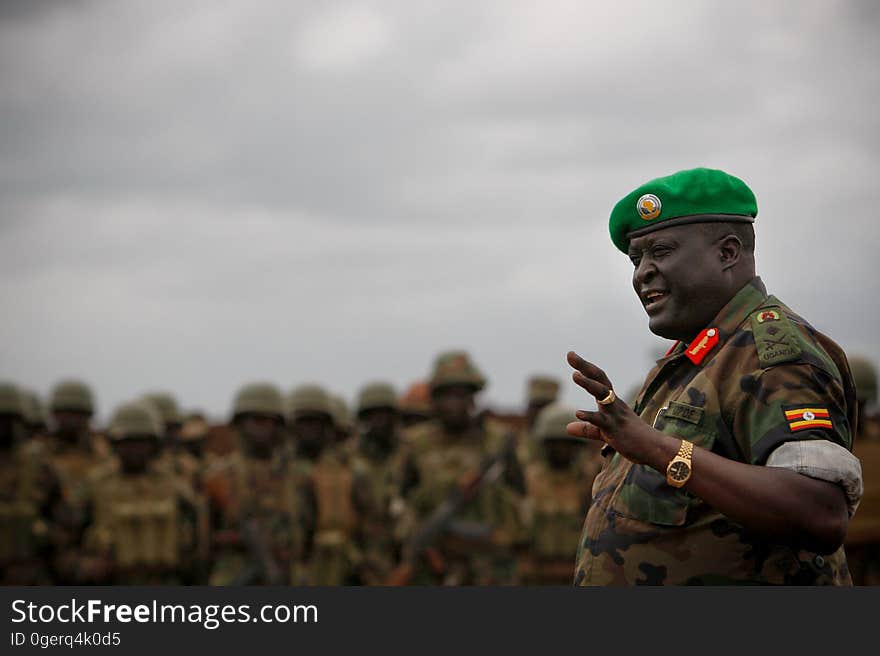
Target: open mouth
{"type": "Point", "coordinates": [652, 300]}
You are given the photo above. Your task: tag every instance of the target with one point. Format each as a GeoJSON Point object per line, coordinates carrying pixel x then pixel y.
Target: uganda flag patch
{"type": "Point", "coordinates": [803, 417]}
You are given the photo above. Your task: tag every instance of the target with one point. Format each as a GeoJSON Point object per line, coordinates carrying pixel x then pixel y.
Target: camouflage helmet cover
{"type": "Point", "coordinates": [339, 412]}
{"type": "Point", "coordinates": [865, 377]}
{"type": "Point", "coordinates": [135, 419]}
{"type": "Point", "coordinates": [309, 398]}
{"type": "Point", "coordinates": [551, 423]}
{"type": "Point", "coordinates": [455, 368]}
{"type": "Point", "coordinates": [258, 398]}
{"type": "Point", "coordinates": [34, 411]}
{"type": "Point", "coordinates": [376, 395]}
{"type": "Point", "coordinates": [167, 406]}
{"type": "Point", "coordinates": [11, 402]}
{"type": "Point", "coordinates": [72, 395]}
{"type": "Point", "coordinates": [542, 389]}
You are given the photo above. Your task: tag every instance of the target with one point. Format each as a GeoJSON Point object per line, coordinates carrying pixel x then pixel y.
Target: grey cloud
{"type": "Point", "coordinates": [194, 195]}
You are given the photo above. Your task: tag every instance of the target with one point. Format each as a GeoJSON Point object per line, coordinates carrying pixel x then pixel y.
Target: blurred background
{"type": "Point", "coordinates": [196, 194]}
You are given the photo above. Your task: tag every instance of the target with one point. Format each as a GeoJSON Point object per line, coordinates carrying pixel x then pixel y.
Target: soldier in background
{"type": "Point", "coordinates": [189, 454]}
{"type": "Point", "coordinates": [439, 457]}
{"type": "Point", "coordinates": [28, 491]}
{"type": "Point", "coordinates": [541, 391]}
{"type": "Point", "coordinates": [146, 526]}
{"type": "Point", "coordinates": [335, 498]}
{"type": "Point", "coordinates": [558, 497]}
{"type": "Point", "coordinates": [169, 412]}
{"type": "Point", "coordinates": [375, 459]}
{"type": "Point", "coordinates": [34, 414]}
{"type": "Point", "coordinates": [343, 426]}
{"type": "Point", "coordinates": [72, 449]}
{"type": "Point", "coordinates": [253, 498]}
{"type": "Point", "coordinates": [863, 535]}
{"type": "Point", "coordinates": [415, 404]}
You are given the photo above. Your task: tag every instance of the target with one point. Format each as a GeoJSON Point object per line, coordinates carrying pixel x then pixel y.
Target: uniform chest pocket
{"type": "Point", "coordinates": [644, 494]}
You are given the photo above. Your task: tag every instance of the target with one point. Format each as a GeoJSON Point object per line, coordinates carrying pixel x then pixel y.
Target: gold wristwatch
{"type": "Point", "coordinates": [678, 471]}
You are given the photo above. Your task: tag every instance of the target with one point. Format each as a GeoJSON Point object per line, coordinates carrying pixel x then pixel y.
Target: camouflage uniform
{"type": "Point", "coordinates": [71, 458]}
{"type": "Point", "coordinates": [767, 361]}
{"type": "Point", "coordinates": [254, 503]}
{"type": "Point", "coordinates": [27, 492]}
{"type": "Point", "coordinates": [863, 533]}
{"type": "Point", "coordinates": [146, 527]}
{"type": "Point", "coordinates": [377, 462]}
{"type": "Point", "coordinates": [558, 496]}
{"type": "Point", "coordinates": [541, 392]}
{"type": "Point", "coordinates": [334, 495]}
{"type": "Point", "coordinates": [434, 463]}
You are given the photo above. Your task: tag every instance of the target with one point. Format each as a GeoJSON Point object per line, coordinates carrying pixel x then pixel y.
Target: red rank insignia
{"type": "Point", "coordinates": [702, 345]}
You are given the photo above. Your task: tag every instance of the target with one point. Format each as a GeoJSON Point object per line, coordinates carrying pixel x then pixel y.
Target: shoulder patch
{"type": "Point", "coordinates": [803, 417]}
{"type": "Point", "coordinates": [776, 339]}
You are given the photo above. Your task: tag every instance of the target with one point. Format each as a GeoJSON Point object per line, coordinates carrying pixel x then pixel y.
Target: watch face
{"type": "Point", "coordinates": [679, 471]}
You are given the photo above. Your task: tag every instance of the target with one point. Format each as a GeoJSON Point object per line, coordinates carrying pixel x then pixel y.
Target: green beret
{"type": "Point", "coordinates": [692, 196]}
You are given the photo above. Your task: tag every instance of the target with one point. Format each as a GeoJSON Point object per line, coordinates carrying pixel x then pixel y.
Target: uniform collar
{"type": "Point", "coordinates": [745, 301]}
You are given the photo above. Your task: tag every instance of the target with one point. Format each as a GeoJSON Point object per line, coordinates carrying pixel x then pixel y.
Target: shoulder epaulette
{"type": "Point", "coordinates": [776, 338]}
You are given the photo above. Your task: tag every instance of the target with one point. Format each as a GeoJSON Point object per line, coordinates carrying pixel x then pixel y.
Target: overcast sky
{"type": "Point", "coordinates": [194, 195]}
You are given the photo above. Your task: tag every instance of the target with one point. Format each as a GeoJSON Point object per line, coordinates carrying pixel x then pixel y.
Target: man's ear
{"type": "Point", "coordinates": [730, 250]}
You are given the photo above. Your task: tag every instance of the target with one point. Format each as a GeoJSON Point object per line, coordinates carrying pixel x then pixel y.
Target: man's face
{"type": "Point", "coordinates": [379, 424]}
{"type": "Point", "coordinates": [71, 422]}
{"type": "Point", "coordinates": [560, 452]}
{"type": "Point", "coordinates": [261, 431]}
{"type": "Point", "coordinates": [678, 276]}
{"type": "Point", "coordinates": [313, 431]}
{"type": "Point", "coordinates": [135, 453]}
{"type": "Point", "coordinates": [454, 406]}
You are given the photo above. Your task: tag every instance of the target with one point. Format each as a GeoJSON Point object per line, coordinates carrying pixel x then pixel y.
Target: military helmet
{"type": "Point", "coordinates": [72, 395]}
{"type": "Point", "coordinates": [309, 398]}
{"type": "Point", "coordinates": [34, 412]}
{"type": "Point", "coordinates": [455, 368]}
{"type": "Point", "coordinates": [167, 406]}
{"type": "Point", "coordinates": [865, 376]}
{"type": "Point", "coordinates": [551, 422]}
{"type": "Point", "coordinates": [135, 419]}
{"type": "Point", "coordinates": [376, 395]}
{"type": "Point", "coordinates": [542, 389]}
{"type": "Point", "coordinates": [194, 429]}
{"type": "Point", "coordinates": [339, 412]}
{"type": "Point", "coordinates": [258, 398]}
{"type": "Point", "coordinates": [11, 402]}
{"type": "Point", "coordinates": [416, 399]}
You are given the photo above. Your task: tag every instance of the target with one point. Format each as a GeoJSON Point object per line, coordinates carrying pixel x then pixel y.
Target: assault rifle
{"type": "Point", "coordinates": [262, 568]}
{"type": "Point", "coordinates": [420, 545]}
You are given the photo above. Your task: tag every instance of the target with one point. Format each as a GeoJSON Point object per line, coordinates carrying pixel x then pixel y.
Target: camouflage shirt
{"type": "Point", "coordinates": [771, 378]}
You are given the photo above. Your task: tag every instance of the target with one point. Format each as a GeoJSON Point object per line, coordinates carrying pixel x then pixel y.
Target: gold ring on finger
{"type": "Point", "coordinates": [608, 400]}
